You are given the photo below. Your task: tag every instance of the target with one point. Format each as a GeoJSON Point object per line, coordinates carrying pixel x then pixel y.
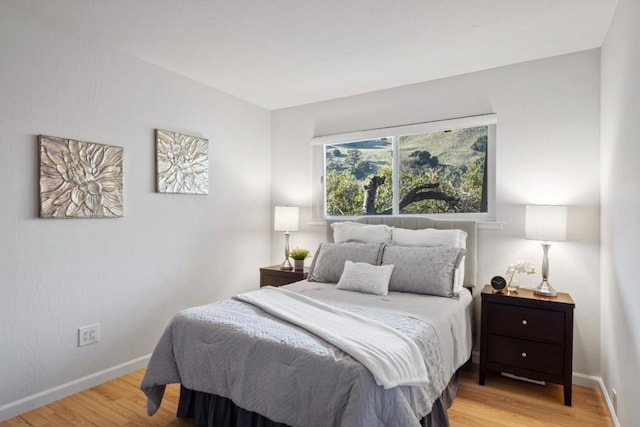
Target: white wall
{"type": "Point", "coordinates": [621, 210]}
{"type": "Point", "coordinates": [547, 152]}
{"type": "Point", "coordinates": [129, 274]}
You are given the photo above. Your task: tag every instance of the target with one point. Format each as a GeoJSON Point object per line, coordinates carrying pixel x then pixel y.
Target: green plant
{"type": "Point", "coordinates": [299, 253]}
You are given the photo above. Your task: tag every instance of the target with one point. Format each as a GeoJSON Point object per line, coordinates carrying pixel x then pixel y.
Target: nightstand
{"type": "Point", "coordinates": [527, 335]}
{"type": "Point", "coordinates": [273, 276]}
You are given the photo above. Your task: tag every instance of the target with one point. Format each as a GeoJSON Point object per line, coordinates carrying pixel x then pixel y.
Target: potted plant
{"type": "Point", "coordinates": [298, 255]}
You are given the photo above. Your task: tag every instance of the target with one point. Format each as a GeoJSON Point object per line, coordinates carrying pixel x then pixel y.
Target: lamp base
{"type": "Point", "coordinates": [545, 289]}
{"type": "Point", "coordinates": [286, 265]}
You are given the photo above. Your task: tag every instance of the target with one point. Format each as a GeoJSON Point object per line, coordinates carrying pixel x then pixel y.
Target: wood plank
{"type": "Point", "coordinates": [33, 418]}
{"type": "Point", "coordinates": [509, 402]}
{"type": "Point", "coordinates": [502, 402]}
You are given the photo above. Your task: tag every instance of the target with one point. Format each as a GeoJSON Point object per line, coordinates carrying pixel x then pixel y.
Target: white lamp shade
{"type": "Point", "coordinates": [285, 218]}
{"type": "Point", "coordinates": [546, 222]}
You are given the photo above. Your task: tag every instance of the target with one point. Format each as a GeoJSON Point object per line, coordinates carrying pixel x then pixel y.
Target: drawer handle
{"type": "Point", "coordinates": [524, 354]}
{"type": "Point", "coordinates": [524, 322]}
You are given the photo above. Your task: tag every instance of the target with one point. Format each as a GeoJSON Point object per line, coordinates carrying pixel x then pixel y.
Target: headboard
{"type": "Point", "coordinates": [416, 223]}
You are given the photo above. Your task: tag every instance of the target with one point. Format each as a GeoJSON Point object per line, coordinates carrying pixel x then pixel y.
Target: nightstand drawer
{"type": "Point", "coordinates": [529, 323]}
{"type": "Point", "coordinates": [532, 355]}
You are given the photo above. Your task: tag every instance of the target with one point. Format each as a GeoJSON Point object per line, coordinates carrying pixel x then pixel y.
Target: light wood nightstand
{"type": "Point", "coordinates": [273, 276]}
{"type": "Point", "coordinates": [527, 335]}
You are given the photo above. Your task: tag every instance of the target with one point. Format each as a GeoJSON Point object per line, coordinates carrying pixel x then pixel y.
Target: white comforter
{"type": "Point", "coordinates": [271, 367]}
{"type": "Point", "coordinates": [397, 362]}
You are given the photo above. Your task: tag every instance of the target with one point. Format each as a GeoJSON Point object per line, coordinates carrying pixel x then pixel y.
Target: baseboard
{"type": "Point", "coordinates": [607, 398]}
{"type": "Point", "coordinates": [34, 401]}
{"type": "Point", "coordinates": [585, 380]}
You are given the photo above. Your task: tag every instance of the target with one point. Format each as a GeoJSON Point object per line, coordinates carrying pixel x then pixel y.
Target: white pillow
{"type": "Point", "coordinates": [345, 231]}
{"type": "Point", "coordinates": [434, 237]}
{"type": "Point", "coordinates": [429, 237]}
{"type": "Point", "coordinates": [365, 278]}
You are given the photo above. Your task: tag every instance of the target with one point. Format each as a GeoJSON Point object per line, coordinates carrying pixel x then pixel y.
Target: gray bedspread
{"type": "Point", "coordinates": [235, 350]}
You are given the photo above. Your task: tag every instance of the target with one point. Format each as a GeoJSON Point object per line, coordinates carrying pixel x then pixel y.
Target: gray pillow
{"type": "Point", "coordinates": [328, 261]}
{"type": "Point", "coordinates": [423, 270]}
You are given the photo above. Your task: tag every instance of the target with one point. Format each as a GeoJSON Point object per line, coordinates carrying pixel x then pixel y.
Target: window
{"type": "Point", "coordinates": [432, 168]}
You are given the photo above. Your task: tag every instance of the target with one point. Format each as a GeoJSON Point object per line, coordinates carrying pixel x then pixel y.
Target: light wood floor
{"type": "Point", "coordinates": [512, 403]}
{"type": "Point", "coordinates": [501, 402]}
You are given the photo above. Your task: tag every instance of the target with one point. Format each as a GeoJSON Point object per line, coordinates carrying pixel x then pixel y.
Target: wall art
{"type": "Point", "coordinates": [182, 163]}
{"type": "Point", "coordinates": [80, 179]}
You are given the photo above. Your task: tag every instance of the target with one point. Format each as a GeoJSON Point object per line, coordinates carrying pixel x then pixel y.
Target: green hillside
{"type": "Point", "coordinates": [454, 148]}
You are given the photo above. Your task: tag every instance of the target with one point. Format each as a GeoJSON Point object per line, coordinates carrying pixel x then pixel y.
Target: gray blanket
{"type": "Point", "coordinates": [235, 350]}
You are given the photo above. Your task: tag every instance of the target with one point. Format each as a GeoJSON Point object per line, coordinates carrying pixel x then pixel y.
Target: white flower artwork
{"type": "Point", "coordinates": [80, 179]}
{"type": "Point", "coordinates": [182, 163]}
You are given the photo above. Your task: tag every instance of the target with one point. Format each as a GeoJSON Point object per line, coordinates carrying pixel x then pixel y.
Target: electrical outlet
{"type": "Point", "coordinates": [88, 334]}
{"type": "Point", "coordinates": [614, 400]}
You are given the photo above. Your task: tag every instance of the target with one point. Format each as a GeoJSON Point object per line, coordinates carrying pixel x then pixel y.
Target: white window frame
{"type": "Point", "coordinates": [319, 167]}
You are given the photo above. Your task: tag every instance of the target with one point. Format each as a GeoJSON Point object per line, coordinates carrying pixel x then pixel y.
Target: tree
{"type": "Point", "coordinates": [432, 190]}
{"type": "Point", "coordinates": [344, 194]}
{"type": "Point", "coordinates": [480, 145]}
{"type": "Point", "coordinates": [444, 189]}
{"type": "Point", "coordinates": [473, 187]}
{"type": "Point", "coordinates": [353, 158]}
{"type": "Point", "coordinates": [363, 169]}
{"type": "Point", "coordinates": [370, 188]}
{"type": "Point", "coordinates": [419, 193]}
{"type": "Point", "coordinates": [422, 158]}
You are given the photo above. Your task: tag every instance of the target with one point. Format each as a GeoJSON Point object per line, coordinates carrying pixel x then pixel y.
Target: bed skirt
{"type": "Point", "coordinates": [215, 411]}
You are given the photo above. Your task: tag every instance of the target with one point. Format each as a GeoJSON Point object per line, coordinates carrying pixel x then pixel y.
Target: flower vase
{"type": "Point", "coordinates": [513, 285]}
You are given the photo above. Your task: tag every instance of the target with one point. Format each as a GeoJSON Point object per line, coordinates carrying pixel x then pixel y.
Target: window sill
{"type": "Point", "coordinates": [490, 225]}
{"type": "Point", "coordinates": [482, 225]}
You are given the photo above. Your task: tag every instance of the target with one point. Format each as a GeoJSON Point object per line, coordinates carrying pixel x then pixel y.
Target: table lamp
{"type": "Point", "coordinates": [546, 223]}
{"type": "Point", "coordinates": [286, 219]}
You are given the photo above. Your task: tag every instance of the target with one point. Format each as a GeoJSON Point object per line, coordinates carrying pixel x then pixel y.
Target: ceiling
{"type": "Point", "coordinates": [282, 53]}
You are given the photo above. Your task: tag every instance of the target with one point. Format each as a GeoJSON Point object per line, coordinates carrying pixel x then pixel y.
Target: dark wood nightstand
{"type": "Point", "coordinates": [527, 335]}
{"type": "Point", "coordinates": [273, 276]}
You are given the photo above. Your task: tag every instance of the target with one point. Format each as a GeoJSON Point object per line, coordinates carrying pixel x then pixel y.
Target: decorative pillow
{"type": "Point", "coordinates": [365, 278]}
{"type": "Point", "coordinates": [434, 237]}
{"type": "Point", "coordinates": [328, 262]}
{"type": "Point", "coordinates": [345, 231]}
{"type": "Point", "coordinates": [427, 270]}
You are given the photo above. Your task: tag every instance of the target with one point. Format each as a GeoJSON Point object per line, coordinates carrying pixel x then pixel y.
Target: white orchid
{"type": "Point", "coordinates": [520, 266]}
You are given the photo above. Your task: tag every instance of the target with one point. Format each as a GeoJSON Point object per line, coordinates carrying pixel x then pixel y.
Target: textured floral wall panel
{"type": "Point", "coordinates": [80, 179]}
{"type": "Point", "coordinates": [183, 163]}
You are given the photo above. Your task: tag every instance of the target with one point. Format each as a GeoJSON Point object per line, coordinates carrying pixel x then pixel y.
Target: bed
{"type": "Point", "coordinates": [241, 364]}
